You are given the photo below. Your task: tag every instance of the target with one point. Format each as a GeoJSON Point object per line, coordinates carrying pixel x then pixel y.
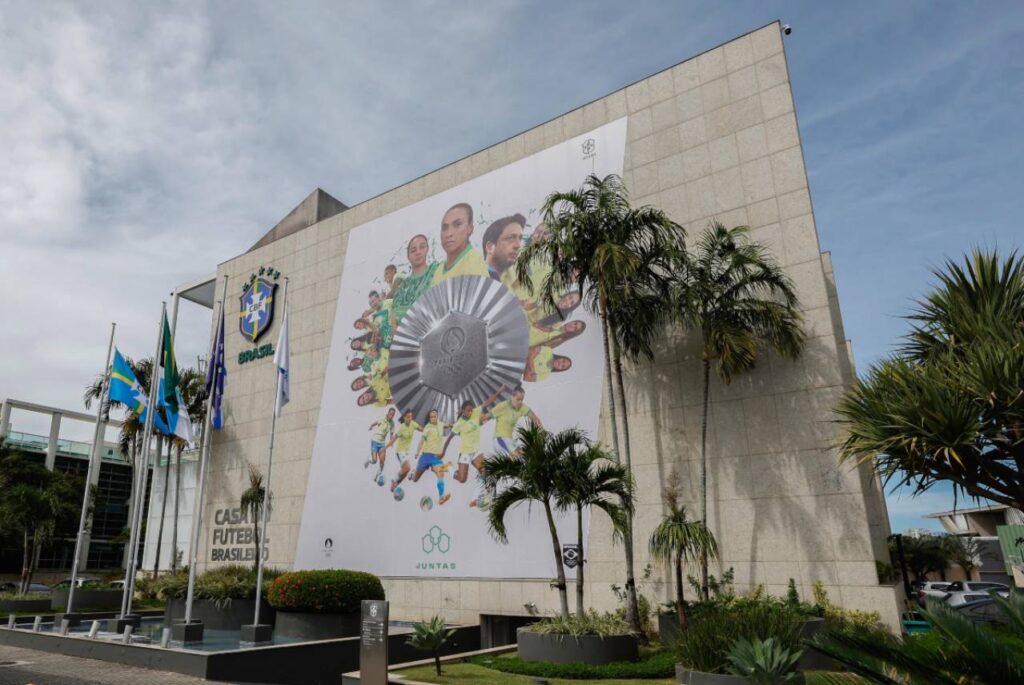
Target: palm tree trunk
{"type": "Point", "coordinates": [163, 503]}
{"type": "Point", "coordinates": [680, 606]}
{"type": "Point", "coordinates": [437, 663]}
{"type": "Point", "coordinates": [704, 475]}
{"type": "Point", "coordinates": [608, 378]}
{"type": "Point", "coordinates": [632, 604]}
{"type": "Point", "coordinates": [563, 595]}
{"type": "Point", "coordinates": [24, 562]}
{"type": "Point", "coordinates": [177, 500]}
{"type": "Point", "coordinates": [580, 611]}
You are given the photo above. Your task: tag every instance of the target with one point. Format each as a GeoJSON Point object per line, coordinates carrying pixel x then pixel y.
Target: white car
{"type": "Point", "coordinates": [961, 597]}
{"type": "Point", "coordinates": [931, 589]}
{"type": "Point", "coordinates": [976, 586]}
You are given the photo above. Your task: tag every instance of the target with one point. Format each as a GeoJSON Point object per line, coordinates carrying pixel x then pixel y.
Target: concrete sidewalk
{"type": "Point", "coordinates": [44, 668]}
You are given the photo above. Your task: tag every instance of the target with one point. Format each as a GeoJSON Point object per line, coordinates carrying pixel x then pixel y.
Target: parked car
{"type": "Point", "coordinates": [8, 587]}
{"type": "Point", "coordinates": [930, 589]}
{"type": "Point", "coordinates": [80, 581]}
{"type": "Point", "coordinates": [976, 586]}
{"type": "Point", "coordinates": [958, 599]}
{"type": "Point", "coordinates": [983, 611]}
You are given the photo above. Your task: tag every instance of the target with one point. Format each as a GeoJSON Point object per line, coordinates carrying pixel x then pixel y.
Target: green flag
{"type": "Point", "coordinates": [170, 371]}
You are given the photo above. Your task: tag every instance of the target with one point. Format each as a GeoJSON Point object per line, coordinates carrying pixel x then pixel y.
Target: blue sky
{"type": "Point", "coordinates": [145, 143]}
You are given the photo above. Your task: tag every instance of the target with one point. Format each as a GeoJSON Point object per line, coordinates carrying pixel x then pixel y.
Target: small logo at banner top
{"type": "Point", "coordinates": [589, 148]}
{"type": "Point", "coordinates": [436, 539]}
{"type": "Point", "coordinates": [373, 611]}
{"type": "Point", "coordinates": [571, 555]}
{"type": "Point", "coordinates": [256, 311]}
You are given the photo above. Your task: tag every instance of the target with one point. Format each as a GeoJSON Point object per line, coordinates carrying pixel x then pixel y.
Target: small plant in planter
{"type": "Point", "coordinates": [764, 662]}
{"type": "Point", "coordinates": [430, 636]}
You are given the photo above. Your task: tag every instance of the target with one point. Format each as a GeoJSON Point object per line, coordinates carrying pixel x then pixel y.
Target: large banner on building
{"type": "Point", "coordinates": [438, 354]}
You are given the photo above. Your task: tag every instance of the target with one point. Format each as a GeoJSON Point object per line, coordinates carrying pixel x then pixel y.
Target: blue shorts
{"type": "Point", "coordinates": [501, 447]}
{"type": "Point", "coordinates": [428, 461]}
{"type": "Point", "coordinates": [376, 446]}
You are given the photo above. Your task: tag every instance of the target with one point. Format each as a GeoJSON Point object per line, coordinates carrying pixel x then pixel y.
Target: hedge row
{"type": "Point", "coordinates": [659, 664]}
{"type": "Point", "coordinates": [324, 592]}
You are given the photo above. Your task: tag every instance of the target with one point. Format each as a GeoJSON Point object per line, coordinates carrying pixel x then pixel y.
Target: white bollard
{"type": "Point", "coordinates": [165, 638]}
{"type": "Point", "coordinates": [127, 637]}
{"type": "Point", "coordinates": [94, 629]}
{"type": "Point", "coordinates": [65, 626]}
{"type": "Point", "coordinates": [11, 623]}
{"type": "Point", "coordinates": [37, 624]}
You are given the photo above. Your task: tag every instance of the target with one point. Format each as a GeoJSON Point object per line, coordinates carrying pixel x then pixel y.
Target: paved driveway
{"type": "Point", "coordinates": [43, 668]}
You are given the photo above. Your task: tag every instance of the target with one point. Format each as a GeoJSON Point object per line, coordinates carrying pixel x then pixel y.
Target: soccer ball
{"type": "Point", "coordinates": [380, 480]}
{"type": "Point", "coordinates": [426, 504]}
{"type": "Point", "coordinates": [399, 494]}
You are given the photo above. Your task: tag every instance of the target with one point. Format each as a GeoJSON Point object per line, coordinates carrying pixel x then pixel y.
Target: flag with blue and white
{"type": "Point", "coordinates": [216, 375]}
{"type": "Point", "coordinates": [126, 389]}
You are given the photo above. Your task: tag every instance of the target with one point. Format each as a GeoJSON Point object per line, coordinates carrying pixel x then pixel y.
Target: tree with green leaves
{"type": "Point", "coordinates": [596, 242]}
{"type": "Point", "coordinates": [36, 504]}
{"type": "Point", "coordinates": [677, 540]}
{"type": "Point", "coordinates": [532, 474]}
{"type": "Point", "coordinates": [731, 291]}
{"type": "Point", "coordinates": [251, 503]}
{"type": "Point", "coordinates": [966, 552]}
{"type": "Point", "coordinates": [589, 477]}
{"type": "Point", "coordinates": [926, 554]}
{"type": "Point", "coordinates": [947, 407]}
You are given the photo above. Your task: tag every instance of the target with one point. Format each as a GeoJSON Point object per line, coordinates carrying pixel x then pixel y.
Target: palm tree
{"type": "Point", "coordinates": [588, 477]}
{"type": "Point", "coordinates": [431, 636]}
{"type": "Point", "coordinates": [738, 298]}
{"type": "Point", "coordinates": [965, 651]}
{"type": "Point", "coordinates": [599, 244]}
{"type": "Point", "coordinates": [677, 539]}
{"type": "Point", "coordinates": [130, 437]}
{"type": "Point", "coordinates": [947, 407]}
{"type": "Point", "coordinates": [533, 474]}
{"type": "Point", "coordinates": [252, 504]}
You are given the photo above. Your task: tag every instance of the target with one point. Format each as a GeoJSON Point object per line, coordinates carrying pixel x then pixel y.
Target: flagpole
{"type": "Point", "coordinates": [204, 457]}
{"type": "Point", "coordinates": [154, 384]}
{"type": "Point", "coordinates": [270, 461]}
{"type": "Point", "coordinates": [97, 441]}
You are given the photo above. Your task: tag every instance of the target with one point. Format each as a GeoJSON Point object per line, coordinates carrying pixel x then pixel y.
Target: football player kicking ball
{"type": "Point", "coordinates": [428, 455]}
{"type": "Point", "coordinates": [506, 416]}
{"type": "Point", "coordinates": [402, 440]}
{"type": "Point", "coordinates": [382, 429]}
{"type": "Point", "coordinates": [467, 427]}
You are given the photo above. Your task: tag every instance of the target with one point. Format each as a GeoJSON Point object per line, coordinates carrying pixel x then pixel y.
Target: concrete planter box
{"type": "Point", "coordinates": [310, 626]}
{"type": "Point", "coordinates": [588, 649]}
{"type": "Point", "coordinates": [688, 677]}
{"type": "Point", "coordinates": [86, 599]}
{"type": "Point", "coordinates": [668, 628]}
{"type": "Point", "coordinates": [15, 605]}
{"type": "Point", "coordinates": [231, 617]}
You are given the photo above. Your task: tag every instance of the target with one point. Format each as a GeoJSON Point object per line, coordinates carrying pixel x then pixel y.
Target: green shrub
{"type": "Point", "coordinates": [711, 633]}
{"type": "Point", "coordinates": [764, 662]}
{"type": "Point", "coordinates": [324, 592]}
{"type": "Point", "coordinates": [591, 623]}
{"type": "Point", "coordinates": [655, 664]}
{"type": "Point", "coordinates": [221, 584]}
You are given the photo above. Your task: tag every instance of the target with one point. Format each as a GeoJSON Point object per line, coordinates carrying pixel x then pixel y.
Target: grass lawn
{"type": "Point", "coordinates": [471, 674]}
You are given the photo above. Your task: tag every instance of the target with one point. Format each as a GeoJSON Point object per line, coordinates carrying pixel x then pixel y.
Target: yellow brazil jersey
{"type": "Point", "coordinates": [405, 432]}
{"type": "Point", "coordinates": [506, 418]}
{"type": "Point", "coordinates": [382, 429]}
{"type": "Point", "coordinates": [542, 362]}
{"type": "Point", "coordinates": [469, 263]}
{"type": "Point", "coordinates": [468, 431]}
{"type": "Point", "coordinates": [433, 438]}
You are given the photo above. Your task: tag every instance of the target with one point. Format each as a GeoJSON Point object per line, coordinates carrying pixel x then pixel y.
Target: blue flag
{"type": "Point", "coordinates": [126, 389]}
{"type": "Point", "coordinates": [216, 374]}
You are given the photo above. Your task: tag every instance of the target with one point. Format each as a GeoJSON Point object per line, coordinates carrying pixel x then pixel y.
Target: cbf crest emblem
{"type": "Point", "coordinates": [256, 311]}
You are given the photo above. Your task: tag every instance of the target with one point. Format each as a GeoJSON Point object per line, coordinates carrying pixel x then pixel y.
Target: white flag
{"type": "Point", "coordinates": [281, 362]}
